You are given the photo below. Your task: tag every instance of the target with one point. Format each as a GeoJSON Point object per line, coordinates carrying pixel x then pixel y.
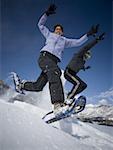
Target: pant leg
{"type": "Point", "coordinates": [77, 89]}
{"type": "Point", "coordinates": [70, 76]}
{"type": "Point", "coordinates": [55, 85]}
{"type": "Point", "coordinates": [78, 84]}
{"type": "Point", "coordinates": [53, 72]}
{"type": "Point", "coordinates": [38, 85]}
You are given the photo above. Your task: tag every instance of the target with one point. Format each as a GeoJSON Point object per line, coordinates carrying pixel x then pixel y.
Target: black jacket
{"type": "Point", "coordinates": [77, 62]}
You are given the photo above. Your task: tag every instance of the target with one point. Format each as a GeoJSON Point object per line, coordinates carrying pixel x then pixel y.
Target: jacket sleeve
{"type": "Point", "coordinates": [41, 24]}
{"type": "Point", "coordinates": [87, 47]}
{"type": "Point", "coordinates": [75, 42]}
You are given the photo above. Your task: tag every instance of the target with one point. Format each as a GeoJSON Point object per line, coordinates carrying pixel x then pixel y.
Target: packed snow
{"type": "Point", "coordinates": [22, 127]}
{"type": "Point", "coordinates": [25, 130]}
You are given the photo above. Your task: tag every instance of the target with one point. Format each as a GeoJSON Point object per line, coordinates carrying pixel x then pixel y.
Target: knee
{"type": "Point", "coordinates": [84, 85]}
{"type": "Point", "coordinates": [54, 75]}
{"type": "Point", "coordinates": [38, 89]}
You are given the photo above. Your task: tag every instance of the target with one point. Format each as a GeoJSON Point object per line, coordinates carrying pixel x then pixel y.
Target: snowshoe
{"type": "Point", "coordinates": [17, 83]}
{"type": "Point", "coordinates": [77, 106]}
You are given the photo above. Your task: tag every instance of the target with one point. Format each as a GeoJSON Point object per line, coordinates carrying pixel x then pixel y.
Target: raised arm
{"type": "Point", "coordinates": [75, 42]}
{"type": "Point", "coordinates": [78, 42]}
{"type": "Point", "coordinates": [41, 24]}
{"type": "Point", "coordinates": [91, 44]}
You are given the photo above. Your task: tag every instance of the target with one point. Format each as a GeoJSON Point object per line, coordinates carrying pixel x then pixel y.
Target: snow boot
{"type": "Point", "coordinates": [69, 101]}
{"type": "Point", "coordinates": [18, 83]}
{"type": "Point", "coordinates": [60, 108]}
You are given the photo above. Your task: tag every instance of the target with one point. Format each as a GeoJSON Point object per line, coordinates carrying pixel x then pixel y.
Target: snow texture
{"type": "Point", "coordinates": [22, 127]}
{"type": "Point", "coordinates": [25, 130]}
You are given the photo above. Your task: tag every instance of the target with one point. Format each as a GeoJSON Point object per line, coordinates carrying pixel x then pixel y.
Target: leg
{"type": "Point", "coordinates": [79, 85]}
{"type": "Point", "coordinates": [38, 85]}
{"type": "Point", "coordinates": [53, 72]}
{"type": "Point", "coordinates": [55, 85]}
{"type": "Point", "coordinates": [70, 76]}
{"type": "Point", "coordinates": [82, 86]}
{"type": "Point", "coordinates": [77, 89]}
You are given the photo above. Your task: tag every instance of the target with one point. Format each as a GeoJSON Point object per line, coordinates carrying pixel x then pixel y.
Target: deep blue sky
{"type": "Point", "coordinates": [22, 41]}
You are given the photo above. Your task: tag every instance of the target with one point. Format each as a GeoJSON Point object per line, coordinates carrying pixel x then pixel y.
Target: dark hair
{"type": "Point", "coordinates": [58, 25]}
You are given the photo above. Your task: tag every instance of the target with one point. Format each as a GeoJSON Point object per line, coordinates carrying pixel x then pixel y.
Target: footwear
{"type": "Point", "coordinates": [60, 108]}
{"type": "Point", "coordinates": [80, 104]}
{"type": "Point", "coordinates": [18, 83]}
{"type": "Point", "coordinates": [69, 101]}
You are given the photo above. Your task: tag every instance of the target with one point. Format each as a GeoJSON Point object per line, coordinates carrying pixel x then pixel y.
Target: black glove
{"type": "Point", "coordinates": [51, 10]}
{"type": "Point", "coordinates": [85, 68]}
{"type": "Point", "coordinates": [101, 37]}
{"type": "Point", "coordinates": [93, 30]}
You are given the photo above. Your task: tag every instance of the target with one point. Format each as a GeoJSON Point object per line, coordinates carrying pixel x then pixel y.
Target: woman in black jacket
{"type": "Point", "coordinates": [76, 64]}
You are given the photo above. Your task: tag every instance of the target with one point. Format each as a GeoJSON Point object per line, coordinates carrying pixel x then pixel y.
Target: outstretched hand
{"type": "Point", "coordinates": [101, 37]}
{"type": "Point", "coordinates": [94, 29]}
{"type": "Point", "coordinates": [51, 10]}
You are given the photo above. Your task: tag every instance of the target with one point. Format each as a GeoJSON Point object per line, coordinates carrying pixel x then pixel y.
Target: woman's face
{"type": "Point", "coordinates": [58, 30]}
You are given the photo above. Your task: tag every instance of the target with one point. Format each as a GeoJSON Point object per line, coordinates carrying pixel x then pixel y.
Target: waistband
{"type": "Point", "coordinates": [51, 56]}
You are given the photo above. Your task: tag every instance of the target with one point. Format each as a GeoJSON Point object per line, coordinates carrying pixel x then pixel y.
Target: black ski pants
{"type": "Point", "coordinates": [50, 73]}
{"type": "Point", "coordinates": [78, 84]}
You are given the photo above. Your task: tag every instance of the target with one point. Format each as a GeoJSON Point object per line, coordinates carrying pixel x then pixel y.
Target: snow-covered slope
{"type": "Point", "coordinates": [98, 111]}
{"type": "Point", "coordinates": [22, 128]}
{"type": "Point", "coordinates": [102, 114]}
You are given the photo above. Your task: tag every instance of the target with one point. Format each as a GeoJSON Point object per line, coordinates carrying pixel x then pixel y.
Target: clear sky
{"type": "Point", "coordinates": [21, 40]}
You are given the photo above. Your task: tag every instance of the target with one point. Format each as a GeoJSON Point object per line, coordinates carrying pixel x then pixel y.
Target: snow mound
{"type": "Point", "coordinates": [22, 129]}
{"type": "Point", "coordinates": [21, 126]}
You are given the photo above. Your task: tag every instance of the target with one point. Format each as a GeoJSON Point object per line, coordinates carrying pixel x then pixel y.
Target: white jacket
{"type": "Point", "coordinates": [55, 43]}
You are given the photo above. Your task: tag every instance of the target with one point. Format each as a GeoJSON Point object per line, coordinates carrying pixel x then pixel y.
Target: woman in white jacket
{"type": "Point", "coordinates": [50, 55]}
